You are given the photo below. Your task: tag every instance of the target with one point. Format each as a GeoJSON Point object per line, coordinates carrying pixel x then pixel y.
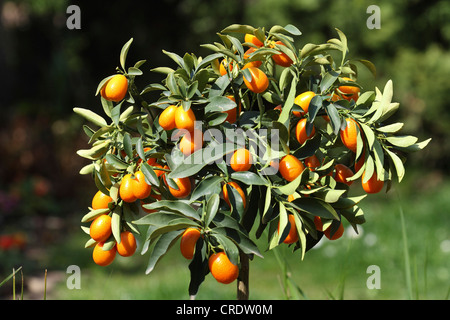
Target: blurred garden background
{"type": "Point", "coordinates": [47, 69]}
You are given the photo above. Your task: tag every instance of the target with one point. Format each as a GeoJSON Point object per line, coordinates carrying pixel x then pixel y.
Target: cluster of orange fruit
{"type": "Point", "coordinates": [259, 81]}
{"type": "Point", "coordinates": [220, 266]}
{"type": "Point", "coordinates": [100, 231]}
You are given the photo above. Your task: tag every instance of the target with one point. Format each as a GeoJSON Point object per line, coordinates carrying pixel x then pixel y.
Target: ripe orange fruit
{"type": "Point", "coordinates": [290, 167]}
{"type": "Point", "coordinates": [259, 82]}
{"type": "Point", "coordinates": [373, 185]}
{"type": "Point", "coordinates": [185, 119]}
{"type": "Point", "coordinates": [184, 187]}
{"type": "Point", "coordinates": [222, 269]}
{"type": "Point", "coordinates": [300, 131]}
{"type": "Point", "coordinates": [115, 88]}
{"type": "Point", "coordinates": [239, 190]}
{"type": "Point", "coordinates": [126, 189]}
{"type": "Point", "coordinates": [191, 142]}
{"type": "Point", "coordinates": [281, 59]}
{"type": "Point", "coordinates": [167, 118]}
{"type": "Point", "coordinates": [127, 246]}
{"type": "Point", "coordinates": [292, 237]}
{"type": "Point", "coordinates": [338, 233]}
{"type": "Point", "coordinates": [232, 113]}
{"type": "Point", "coordinates": [100, 228]}
{"type": "Point", "coordinates": [241, 160]}
{"type": "Point", "coordinates": [253, 39]}
{"type": "Point", "coordinates": [342, 172]}
{"type": "Point", "coordinates": [100, 201]}
{"type": "Point", "coordinates": [349, 134]}
{"type": "Point", "coordinates": [103, 257]}
{"type": "Point", "coordinates": [312, 162]}
{"type": "Point", "coordinates": [349, 92]}
{"type": "Point", "coordinates": [141, 189]}
{"type": "Point", "coordinates": [303, 100]}
{"type": "Point", "coordinates": [188, 241]}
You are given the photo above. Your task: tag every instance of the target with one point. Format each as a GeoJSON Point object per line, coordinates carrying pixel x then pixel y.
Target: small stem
{"type": "Point", "coordinates": [45, 285]}
{"type": "Point", "coordinates": [243, 279]}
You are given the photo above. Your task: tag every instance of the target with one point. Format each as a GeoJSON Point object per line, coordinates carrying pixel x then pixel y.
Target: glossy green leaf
{"type": "Point", "coordinates": [249, 178]}
{"type": "Point", "coordinates": [315, 206]}
{"type": "Point", "coordinates": [124, 53]}
{"type": "Point", "coordinates": [162, 245]}
{"type": "Point", "coordinates": [91, 116]}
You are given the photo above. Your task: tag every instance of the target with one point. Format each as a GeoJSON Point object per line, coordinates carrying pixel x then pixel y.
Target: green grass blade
{"type": "Point", "coordinates": [406, 255]}
{"type": "Point", "coordinates": [9, 277]}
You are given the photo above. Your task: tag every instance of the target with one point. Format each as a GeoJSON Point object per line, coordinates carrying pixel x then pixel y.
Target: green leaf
{"type": "Point", "coordinates": [199, 159]}
{"type": "Point", "coordinates": [249, 178]}
{"type": "Point", "coordinates": [239, 28]}
{"type": "Point", "coordinates": [416, 146]}
{"type": "Point", "coordinates": [346, 203]}
{"type": "Point", "coordinates": [163, 244]}
{"type": "Point", "coordinates": [369, 65]}
{"type": "Point", "coordinates": [96, 151]}
{"type": "Point", "coordinates": [391, 128]}
{"type": "Point", "coordinates": [220, 103]}
{"type": "Point", "coordinates": [208, 59]}
{"type": "Point", "coordinates": [91, 215]}
{"type": "Point", "coordinates": [335, 119]}
{"type": "Point", "coordinates": [133, 71]}
{"type": "Point", "coordinates": [100, 132]}
{"type": "Point", "coordinates": [87, 169]}
{"type": "Point", "coordinates": [91, 116]}
{"type": "Point", "coordinates": [102, 84]}
{"type": "Point", "coordinates": [368, 133]}
{"type": "Point", "coordinates": [242, 241]}
{"type": "Point", "coordinates": [116, 223]}
{"type": "Point", "coordinates": [150, 175]}
{"type": "Point", "coordinates": [212, 206]}
{"type": "Point", "coordinates": [198, 267]}
{"type": "Point", "coordinates": [179, 206]}
{"type": "Point", "coordinates": [398, 164]}
{"type": "Point", "coordinates": [116, 162]}
{"type": "Point", "coordinates": [284, 116]}
{"type": "Point", "coordinates": [402, 141]}
{"type": "Point", "coordinates": [206, 187]}
{"type": "Point", "coordinates": [124, 53]}
{"type": "Point", "coordinates": [175, 57]}
{"type": "Point", "coordinates": [128, 145]}
{"type": "Point", "coordinates": [315, 207]}
{"type": "Point", "coordinates": [292, 30]}
{"type": "Point", "coordinates": [328, 80]}
{"type": "Point", "coordinates": [164, 70]}
{"type": "Point", "coordinates": [228, 246]}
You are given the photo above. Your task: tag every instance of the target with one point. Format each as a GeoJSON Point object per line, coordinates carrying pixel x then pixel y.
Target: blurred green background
{"type": "Point", "coordinates": [48, 69]}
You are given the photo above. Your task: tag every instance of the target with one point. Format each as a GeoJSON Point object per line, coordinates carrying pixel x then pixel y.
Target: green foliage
{"type": "Point", "coordinates": [122, 145]}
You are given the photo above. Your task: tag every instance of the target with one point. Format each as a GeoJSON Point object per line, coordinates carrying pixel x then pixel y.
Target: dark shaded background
{"type": "Point", "coordinates": [48, 69]}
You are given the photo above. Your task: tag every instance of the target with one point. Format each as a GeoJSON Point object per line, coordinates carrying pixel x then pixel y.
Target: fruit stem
{"type": "Point", "coordinates": [242, 281]}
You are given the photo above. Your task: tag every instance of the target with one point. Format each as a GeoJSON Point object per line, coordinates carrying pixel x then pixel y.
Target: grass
{"type": "Point", "coordinates": [406, 235]}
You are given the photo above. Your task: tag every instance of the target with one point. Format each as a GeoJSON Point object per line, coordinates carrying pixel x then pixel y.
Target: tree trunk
{"type": "Point", "coordinates": [242, 281]}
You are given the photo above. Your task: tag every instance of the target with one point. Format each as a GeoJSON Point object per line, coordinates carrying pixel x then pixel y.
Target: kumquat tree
{"type": "Point", "coordinates": [260, 134]}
